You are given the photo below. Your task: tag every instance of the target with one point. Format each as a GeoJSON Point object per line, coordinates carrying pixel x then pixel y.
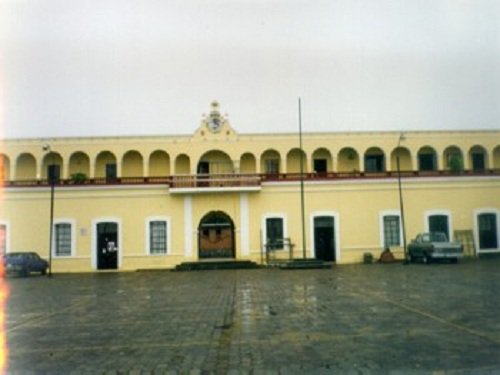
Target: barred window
{"type": "Point", "coordinates": [157, 237]}
{"type": "Point", "coordinates": [439, 223]}
{"type": "Point", "coordinates": [392, 236]}
{"type": "Point", "coordinates": [274, 232]}
{"type": "Point", "coordinates": [63, 239]}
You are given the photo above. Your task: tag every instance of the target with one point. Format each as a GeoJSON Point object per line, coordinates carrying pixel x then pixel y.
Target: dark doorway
{"type": "Point", "coordinates": [216, 236]}
{"type": "Point", "coordinates": [374, 163]}
{"type": "Point", "coordinates": [111, 172]}
{"type": "Point", "coordinates": [107, 246]}
{"type": "Point", "coordinates": [320, 166]}
{"type": "Point", "coordinates": [54, 173]}
{"type": "Point", "coordinates": [203, 167]}
{"type": "Point", "coordinates": [324, 238]}
{"type": "Point", "coordinates": [439, 223]}
{"type": "Point", "coordinates": [478, 163]}
{"type": "Point", "coordinates": [427, 162]}
{"type": "Point", "coordinates": [487, 231]}
{"type": "Point", "coordinates": [203, 171]}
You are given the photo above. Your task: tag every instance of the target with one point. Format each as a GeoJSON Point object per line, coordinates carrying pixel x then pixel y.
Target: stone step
{"type": "Point", "coordinates": [216, 265]}
{"type": "Point", "coordinates": [302, 264]}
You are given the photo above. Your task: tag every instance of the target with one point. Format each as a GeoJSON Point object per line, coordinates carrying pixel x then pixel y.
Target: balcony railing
{"type": "Point", "coordinates": [215, 181]}
{"type": "Point", "coordinates": [235, 181]}
{"type": "Point", "coordinates": [319, 176]}
{"type": "Point", "coordinates": [91, 182]}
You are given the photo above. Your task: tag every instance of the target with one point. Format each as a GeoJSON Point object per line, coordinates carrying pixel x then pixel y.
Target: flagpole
{"type": "Point", "coordinates": [302, 203]}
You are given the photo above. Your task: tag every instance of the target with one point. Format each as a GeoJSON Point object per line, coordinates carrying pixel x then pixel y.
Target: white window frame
{"type": "Point", "coordinates": [486, 210]}
{"type": "Point", "coordinates": [382, 214]}
{"type": "Point", "coordinates": [336, 224]}
{"type": "Point", "coordinates": [72, 223]}
{"type": "Point", "coordinates": [447, 213]}
{"type": "Point", "coordinates": [121, 247]}
{"type": "Point", "coordinates": [147, 231]}
{"type": "Point", "coordinates": [7, 235]}
{"type": "Point", "coordinates": [278, 215]}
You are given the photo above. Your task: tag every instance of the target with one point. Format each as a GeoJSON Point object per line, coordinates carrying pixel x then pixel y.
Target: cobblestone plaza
{"type": "Point", "coordinates": [365, 319]}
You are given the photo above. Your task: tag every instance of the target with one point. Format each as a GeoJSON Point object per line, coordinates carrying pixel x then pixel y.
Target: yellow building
{"type": "Point", "coordinates": [132, 203]}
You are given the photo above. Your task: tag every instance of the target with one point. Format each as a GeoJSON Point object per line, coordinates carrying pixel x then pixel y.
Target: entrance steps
{"type": "Point", "coordinates": [216, 264]}
{"type": "Point", "coordinates": [304, 264]}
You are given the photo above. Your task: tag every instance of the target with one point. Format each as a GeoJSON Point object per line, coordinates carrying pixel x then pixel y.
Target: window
{"type": "Point", "coordinates": [62, 239]}
{"type": "Point", "coordinates": [3, 239]}
{"type": "Point", "coordinates": [439, 223]}
{"type": "Point", "coordinates": [487, 228]}
{"type": "Point", "coordinates": [392, 235]}
{"type": "Point", "coordinates": [158, 237]}
{"type": "Point", "coordinates": [272, 166]}
{"type": "Point", "coordinates": [274, 233]}
{"type": "Point", "coordinates": [374, 163]}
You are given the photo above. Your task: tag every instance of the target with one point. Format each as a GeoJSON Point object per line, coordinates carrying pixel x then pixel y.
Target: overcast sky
{"type": "Point", "coordinates": [125, 67]}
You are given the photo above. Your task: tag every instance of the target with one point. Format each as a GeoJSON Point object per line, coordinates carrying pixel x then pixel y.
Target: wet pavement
{"type": "Point", "coordinates": [360, 319]}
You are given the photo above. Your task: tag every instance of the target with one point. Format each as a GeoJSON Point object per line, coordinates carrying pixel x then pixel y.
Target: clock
{"type": "Point", "coordinates": [214, 124]}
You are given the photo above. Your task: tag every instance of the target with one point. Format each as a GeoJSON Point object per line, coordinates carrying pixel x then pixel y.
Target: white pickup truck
{"type": "Point", "coordinates": [434, 245]}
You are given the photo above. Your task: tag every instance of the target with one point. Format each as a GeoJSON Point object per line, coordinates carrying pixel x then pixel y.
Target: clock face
{"type": "Point", "coordinates": [214, 124]}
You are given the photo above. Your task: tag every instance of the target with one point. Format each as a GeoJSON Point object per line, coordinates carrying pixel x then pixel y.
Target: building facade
{"type": "Point", "coordinates": [131, 203]}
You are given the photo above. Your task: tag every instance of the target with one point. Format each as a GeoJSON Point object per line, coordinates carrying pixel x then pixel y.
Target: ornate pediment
{"type": "Point", "coordinates": [215, 125]}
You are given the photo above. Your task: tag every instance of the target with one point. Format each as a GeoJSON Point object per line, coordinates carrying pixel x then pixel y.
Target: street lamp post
{"type": "Point", "coordinates": [51, 177]}
{"type": "Point", "coordinates": [401, 205]}
{"type": "Point", "coordinates": [302, 204]}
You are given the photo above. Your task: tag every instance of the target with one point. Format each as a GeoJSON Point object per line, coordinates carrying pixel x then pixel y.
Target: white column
{"type": "Point", "coordinates": [64, 169]}
{"type": "Point", "coordinates": [236, 166]}
{"type": "Point", "coordinates": [188, 226]}
{"type": "Point", "coordinates": [92, 167]}
{"type": "Point", "coordinates": [39, 169]}
{"type": "Point", "coordinates": [145, 168]}
{"type": "Point", "coordinates": [119, 169]}
{"type": "Point", "coordinates": [244, 225]}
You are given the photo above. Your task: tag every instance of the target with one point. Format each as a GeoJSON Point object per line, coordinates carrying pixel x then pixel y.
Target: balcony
{"type": "Point", "coordinates": [243, 182]}
{"type": "Point", "coordinates": [216, 183]}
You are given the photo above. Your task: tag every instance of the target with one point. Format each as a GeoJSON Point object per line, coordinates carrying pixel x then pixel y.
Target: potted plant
{"type": "Point", "coordinates": [78, 178]}
{"type": "Point", "coordinates": [456, 163]}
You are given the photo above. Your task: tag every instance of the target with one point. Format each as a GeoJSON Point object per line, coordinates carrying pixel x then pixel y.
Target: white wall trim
{"type": "Point", "coordinates": [7, 235]}
{"type": "Point", "coordinates": [277, 215]}
{"type": "Point", "coordinates": [72, 222]}
{"type": "Point", "coordinates": [486, 210]}
{"type": "Point", "coordinates": [93, 246]}
{"type": "Point", "coordinates": [147, 234]}
{"type": "Point", "coordinates": [188, 226]}
{"type": "Point", "coordinates": [244, 225]}
{"type": "Point", "coordinates": [381, 226]}
{"type": "Point", "coordinates": [336, 223]}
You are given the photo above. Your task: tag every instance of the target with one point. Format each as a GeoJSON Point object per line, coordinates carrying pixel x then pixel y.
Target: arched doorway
{"type": "Point", "coordinates": [216, 236]}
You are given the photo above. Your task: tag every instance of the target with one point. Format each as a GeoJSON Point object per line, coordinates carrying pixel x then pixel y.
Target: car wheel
{"type": "Point", "coordinates": [44, 271]}
{"type": "Point", "coordinates": [426, 259]}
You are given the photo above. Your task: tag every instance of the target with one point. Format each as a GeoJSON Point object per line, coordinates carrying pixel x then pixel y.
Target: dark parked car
{"type": "Point", "coordinates": [434, 245]}
{"type": "Point", "coordinates": [24, 263]}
